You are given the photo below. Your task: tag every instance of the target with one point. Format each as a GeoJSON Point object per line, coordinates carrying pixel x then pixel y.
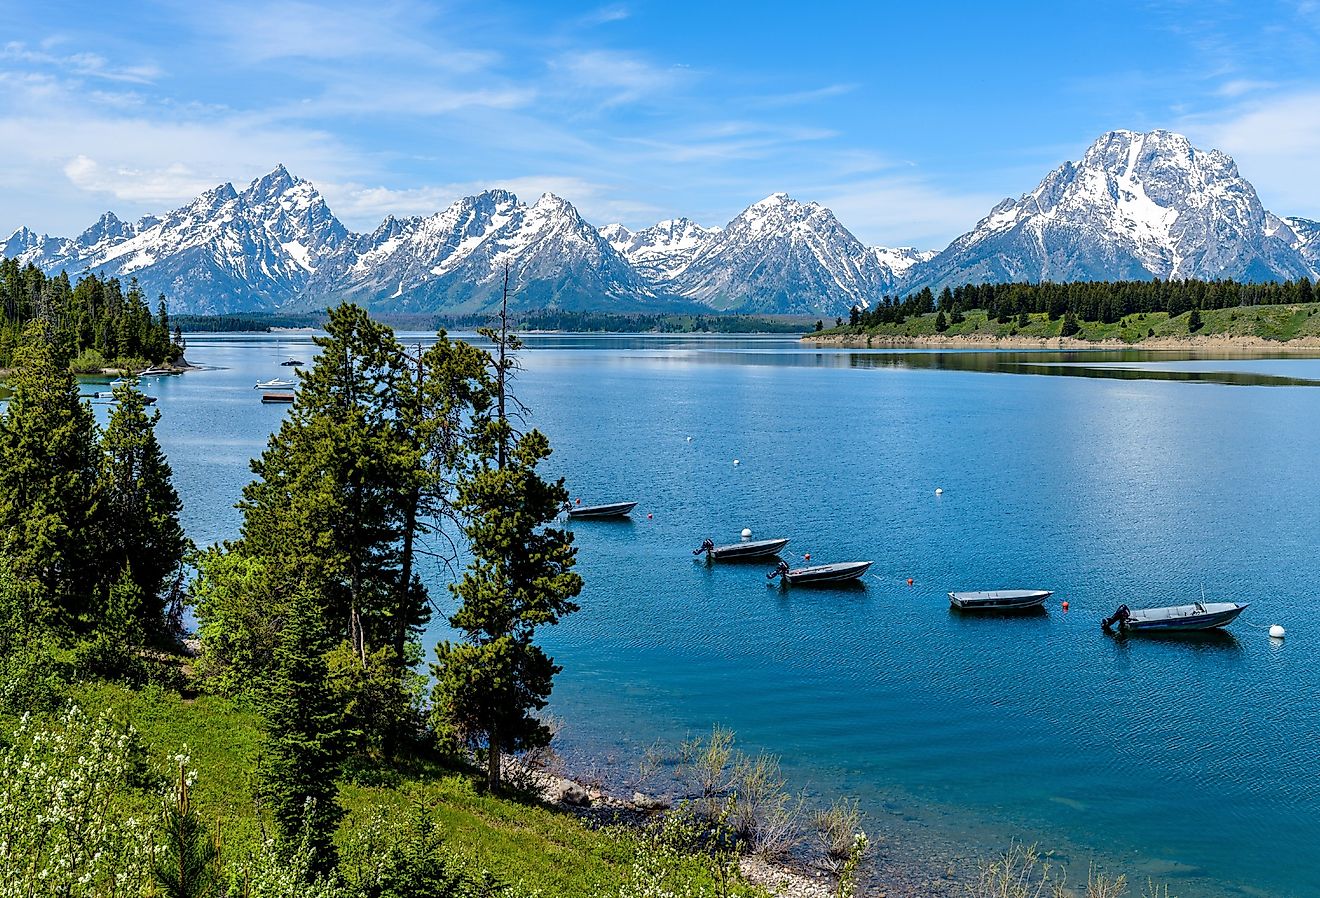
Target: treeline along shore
{"type": "Point", "coordinates": [1152, 314]}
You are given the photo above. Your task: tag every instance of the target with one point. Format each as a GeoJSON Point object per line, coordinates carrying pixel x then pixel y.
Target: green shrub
{"type": "Point", "coordinates": [89, 361]}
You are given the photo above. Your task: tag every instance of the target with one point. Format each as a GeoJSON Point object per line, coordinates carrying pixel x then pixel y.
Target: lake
{"type": "Point", "coordinates": [1123, 477]}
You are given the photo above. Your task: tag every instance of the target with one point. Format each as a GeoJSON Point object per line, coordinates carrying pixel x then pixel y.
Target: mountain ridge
{"type": "Point", "coordinates": [1135, 206]}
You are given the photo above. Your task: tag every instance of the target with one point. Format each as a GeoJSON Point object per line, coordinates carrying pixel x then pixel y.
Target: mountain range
{"type": "Point", "coordinates": [1136, 206]}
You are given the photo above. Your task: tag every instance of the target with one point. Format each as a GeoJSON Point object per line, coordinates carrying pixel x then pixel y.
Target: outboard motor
{"type": "Point", "coordinates": [707, 546]}
{"type": "Point", "coordinates": [1119, 617]}
{"type": "Point", "coordinates": [781, 570]}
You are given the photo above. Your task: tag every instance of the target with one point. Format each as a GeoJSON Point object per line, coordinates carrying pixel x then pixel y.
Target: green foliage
{"type": "Point", "coordinates": [302, 748]}
{"type": "Point", "coordinates": [89, 361]}
{"type": "Point", "coordinates": [941, 323]}
{"type": "Point", "coordinates": [50, 486]}
{"type": "Point", "coordinates": [61, 832]}
{"type": "Point", "coordinates": [141, 535]}
{"type": "Point", "coordinates": [94, 319]}
{"type": "Point", "coordinates": [376, 712]}
{"type": "Point", "coordinates": [1070, 326]}
{"type": "Point", "coordinates": [239, 620]}
{"type": "Point", "coordinates": [1194, 321]}
{"type": "Point", "coordinates": [520, 578]}
{"type": "Point", "coordinates": [186, 860]}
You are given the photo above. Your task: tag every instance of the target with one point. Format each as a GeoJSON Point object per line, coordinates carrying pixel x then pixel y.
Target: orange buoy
{"type": "Point", "coordinates": [579, 501]}
{"type": "Point", "coordinates": [1065, 606]}
{"type": "Point", "coordinates": [909, 581]}
{"type": "Point", "coordinates": [807, 557]}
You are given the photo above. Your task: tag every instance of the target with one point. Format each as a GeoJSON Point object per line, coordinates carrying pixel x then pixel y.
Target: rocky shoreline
{"type": "Point", "coordinates": [927, 871]}
{"type": "Point", "coordinates": [1218, 343]}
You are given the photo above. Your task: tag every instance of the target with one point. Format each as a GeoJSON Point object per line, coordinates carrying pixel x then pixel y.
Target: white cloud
{"type": "Point", "coordinates": [1276, 143]}
{"type": "Point", "coordinates": [903, 211]}
{"type": "Point", "coordinates": [617, 77]}
{"type": "Point", "coordinates": [172, 183]}
{"type": "Point", "coordinates": [90, 65]}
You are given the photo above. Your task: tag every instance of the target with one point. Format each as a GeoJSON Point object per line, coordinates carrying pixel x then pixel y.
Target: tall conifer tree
{"type": "Point", "coordinates": [490, 686]}
{"type": "Point", "coordinates": [49, 483]}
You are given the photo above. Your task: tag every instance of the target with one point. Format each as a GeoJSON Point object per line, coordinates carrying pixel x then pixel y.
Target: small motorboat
{"type": "Point", "coordinates": [612, 510]}
{"type": "Point", "coordinates": [277, 397]}
{"type": "Point", "coordinates": [743, 551]}
{"type": "Point", "coordinates": [275, 384]}
{"type": "Point", "coordinates": [293, 363]}
{"type": "Point", "coordinates": [157, 372]}
{"type": "Point", "coordinates": [1175, 618]}
{"type": "Point", "coordinates": [821, 574]}
{"type": "Point", "coordinates": [1000, 599]}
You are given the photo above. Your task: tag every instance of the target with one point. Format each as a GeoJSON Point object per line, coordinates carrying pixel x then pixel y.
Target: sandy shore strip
{"type": "Point", "coordinates": [1216, 343]}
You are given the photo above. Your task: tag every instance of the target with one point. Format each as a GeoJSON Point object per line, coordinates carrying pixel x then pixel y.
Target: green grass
{"type": "Point", "coordinates": [543, 848]}
{"type": "Point", "coordinates": [1276, 323]}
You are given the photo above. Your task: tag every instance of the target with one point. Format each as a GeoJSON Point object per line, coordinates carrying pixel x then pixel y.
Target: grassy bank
{"type": "Point", "coordinates": [543, 849]}
{"type": "Point", "coordinates": [1279, 323]}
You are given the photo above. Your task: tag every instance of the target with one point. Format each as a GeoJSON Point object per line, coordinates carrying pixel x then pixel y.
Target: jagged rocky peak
{"type": "Point", "coordinates": [1137, 205]}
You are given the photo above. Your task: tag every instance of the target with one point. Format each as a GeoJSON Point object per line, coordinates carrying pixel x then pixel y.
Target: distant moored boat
{"type": "Point", "coordinates": [1175, 618]}
{"type": "Point", "coordinates": [612, 510]}
{"type": "Point", "coordinates": [274, 384]}
{"type": "Point", "coordinates": [761, 548]}
{"type": "Point", "coordinates": [1000, 599]}
{"type": "Point", "coordinates": [821, 574]}
{"type": "Point", "coordinates": [293, 363]}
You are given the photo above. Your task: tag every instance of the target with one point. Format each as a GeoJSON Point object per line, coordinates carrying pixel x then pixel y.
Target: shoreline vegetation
{"type": "Point", "coordinates": [1211, 315]}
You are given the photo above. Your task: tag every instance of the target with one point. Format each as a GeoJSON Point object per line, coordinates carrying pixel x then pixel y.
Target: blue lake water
{"type": "Point", "coordinates": [1142, 482]}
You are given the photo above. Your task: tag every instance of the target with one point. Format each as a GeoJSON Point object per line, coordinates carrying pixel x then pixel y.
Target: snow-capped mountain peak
{"type": "Point", "coordinates": [1137, 205]}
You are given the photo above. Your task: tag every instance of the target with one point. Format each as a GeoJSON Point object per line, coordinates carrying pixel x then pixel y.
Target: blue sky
{"type": "Point", "coordinates": [909, 120]}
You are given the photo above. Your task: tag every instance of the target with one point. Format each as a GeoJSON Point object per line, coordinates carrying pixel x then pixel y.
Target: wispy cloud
{"type": "Point", "coordinates": [85, 64]}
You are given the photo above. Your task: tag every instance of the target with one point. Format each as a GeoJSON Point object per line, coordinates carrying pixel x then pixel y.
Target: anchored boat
{"type": "Point", "coordinates": [274, 384]}
{"type": "Point", "coordinates": [1000, 599]}
{"type": "Point", "coordinates": [821, 574]}
{"type": "Point", "coordinates": [612, 510]}
{"type": "Point", "coordinates": [293, 363]}
{"type": "Point", "coordinates": [1175, 618]}
{"type": "Point", "coordinates": [743, 551]}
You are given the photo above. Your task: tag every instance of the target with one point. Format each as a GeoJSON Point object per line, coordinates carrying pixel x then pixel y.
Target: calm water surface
{"type": "Point", "coordinates": [1140, 481]}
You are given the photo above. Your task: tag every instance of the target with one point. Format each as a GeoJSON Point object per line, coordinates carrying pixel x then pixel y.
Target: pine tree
{"type": "Point", "coordinates": [941, 324]}
{"type": "Point", "coordinates": [140, 506]}
{"type": "Point", "coordinates": [1070, 326]}
{"type": "Point", "coordinates": [326, 507]}
{"type": "Point", "coordinates": [185, 863]}
{"type": "Point", "coordinates": [301, 750]}
{"type": "Point", "coordinates": [1194, 321]}
{"type": "Point", "coordinates": [49, 492]}
{"type": "Point", "coordinates": [520, 578]}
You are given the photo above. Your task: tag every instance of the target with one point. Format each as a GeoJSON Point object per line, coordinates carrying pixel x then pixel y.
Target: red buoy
{"type": "Point", "coordinates": [648, 516]}
{"type": "Point", "coordinates": [1065, 606]}
{"type": "Point", "coordinates": [579, 501]}
{"type": "Point", "coordinates": [807, 557]}
{"type": "Point", "coordinates": [909, 581]}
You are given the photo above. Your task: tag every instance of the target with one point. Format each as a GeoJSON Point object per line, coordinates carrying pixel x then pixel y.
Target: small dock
{"type": "Point", "coordinates": [277, 397]}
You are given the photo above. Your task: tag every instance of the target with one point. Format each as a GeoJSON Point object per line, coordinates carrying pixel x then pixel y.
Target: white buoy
{"type": "Point", "coordinates": [736, 462]}
{"type": "Point", "coordinates": [747, 531]}
{"type": "Point", "coordinates": [1277, 632]}
{"type": "Point", "coordinates": [689, 439]}
{"type": "Point", "coordinates": [939, 491]}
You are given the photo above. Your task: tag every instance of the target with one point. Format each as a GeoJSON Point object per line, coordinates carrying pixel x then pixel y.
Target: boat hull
{"type": "Point", "coordinates": [764, 548]}
{"type": "Point", "coordinates": [1183, 618]}
{"type": "Point", "coordinates": [1000, 599]}
{"type": "Point", "coordinates": [826, 574]}
{"type": "Point", "coordinates": [615, 510]}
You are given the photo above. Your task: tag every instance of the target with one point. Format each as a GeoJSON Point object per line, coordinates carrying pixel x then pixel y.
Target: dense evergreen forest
{"type": "Point", "coordinates": [1102, 301]}
{"type": "Point", "coordinates": [94, 323]}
